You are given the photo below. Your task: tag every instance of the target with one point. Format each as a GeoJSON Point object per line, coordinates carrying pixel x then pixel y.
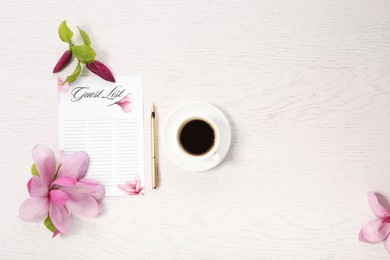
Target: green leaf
{"type": "Point", "coordinates": [75, 74]}
{"type": "Point", "coordinates": [34, 170]}
{"type": "Point", "coordinates": [83, 53]}
{"type": "Point", "coordinates": [64, 32]}
{"type": "Point", "coordinates": [58, 168]}
{"type": "Point", "coordinates": [49, 224]}
{"type": "Point", "coordinates": [85, 37]}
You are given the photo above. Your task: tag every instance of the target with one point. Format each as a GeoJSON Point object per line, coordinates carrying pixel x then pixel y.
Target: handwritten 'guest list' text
{"type": "Point", "coordinates": [79, 93]}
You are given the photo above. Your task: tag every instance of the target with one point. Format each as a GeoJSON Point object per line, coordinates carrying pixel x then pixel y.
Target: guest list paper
{"type": "Point", "coordinates": [105, 120]}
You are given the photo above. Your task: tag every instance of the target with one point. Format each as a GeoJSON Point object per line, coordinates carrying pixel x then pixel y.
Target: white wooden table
{"type": "Point", "coordinates": [305, 85]}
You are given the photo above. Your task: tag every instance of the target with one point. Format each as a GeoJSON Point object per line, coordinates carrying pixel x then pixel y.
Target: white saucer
{"type": "Point", "coordinates": [173, 123]}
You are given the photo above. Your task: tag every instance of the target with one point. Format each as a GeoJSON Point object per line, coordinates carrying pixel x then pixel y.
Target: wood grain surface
{"type": "Point", "coordinates": [306, 88]}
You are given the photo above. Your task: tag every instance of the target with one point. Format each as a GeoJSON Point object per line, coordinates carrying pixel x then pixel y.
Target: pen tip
{"type": "Point", "coordinates": [153, 107]}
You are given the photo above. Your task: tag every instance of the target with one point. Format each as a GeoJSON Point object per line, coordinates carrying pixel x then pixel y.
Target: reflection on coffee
{"type": "Point", "coordinates": [197, 137]}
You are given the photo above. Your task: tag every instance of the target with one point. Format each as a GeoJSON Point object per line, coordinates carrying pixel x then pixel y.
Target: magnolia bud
{"type": "Point", "coordinates": [63, 61]}
{"type": "Point", "coordinates": [101, 70]}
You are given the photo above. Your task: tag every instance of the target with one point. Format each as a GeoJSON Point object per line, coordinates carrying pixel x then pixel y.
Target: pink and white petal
{"type": "Point", "coordinates": [29, 185]}
{"type": "Point", "coordinates": [127, 188]}
{"type": "Point", "coordinates": [61, 82]}
{"type": "Point", "coordinates": [387, 244]}
{"type": "Point", "coordinates": [63, 88]}
{"type": "Point", "coordinates": [37, 188]}
{"type": "Point", "coordinates": [138, 186]}
{"type": "Point", "coordinates": [126, 99]}
{"type": "Point", "coordinates": [45, 163]}
{"type": "Point", "coordinates": [89, 182]}
{"type": "Point", "coordinates": [374, 231]}
{"type": "Point", "coordinates": [65, 181]}
{"type": "Point", "coordinates": [379, 210]}
{"type": "Point", "coordinates": [75, 165]}
{"type": "Point", "coordinates": [58, 197]}
{"type": "Point", "coordinates": [34, 209]}
{"type": "Point", "coordinates": [81, 187]}
{"type": "Point", "coordinates": [122, 186]}
{"type": "Point", "coordinates": [56, 233]}
{"type": "Point", "coordinates": [82, 204]}
{"type": "Point", "coordinates": [59, 216]}
{"type": "Point", "coordinates": [126, 107]}
{"type": "Point", "coordinates": [132, 192]}
{"type": "Point", "coordinates": [98, 192]}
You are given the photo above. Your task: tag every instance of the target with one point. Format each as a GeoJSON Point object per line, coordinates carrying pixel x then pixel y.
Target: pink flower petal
{"type": "Point", "coordinates": [56, 233]}
{"type": "Point", "coordinates": [379, 210]}
{"type": "Point", "coordinates": [126, 107]}
{"type": "Point", "coordinates": [374, 231]}
{"type": "Point", "coordinates": [84, 186]}
{"type": "Point", "coordinates": [132, 187]}
{"type": "Point", "coordinates": [387, 244]}
{"type": "Point", "coordinates": [126, 99]}
{"type": "Point", "coordinates": [29, 185]}
{"type": "Point", "coordinates": [98, 192]}
{"type": "Point", "coordinates": [131, 192]}
{"type": "Point", "coordinates": [34, 209]}
{"type": "Point", "coordinates": [60, 80]}
{"type": "Point", "coordinates": [125, 103]}
{"type": "Point", "coordinates": [59, 216]}
{"type": "Point", "coordinates": [45, 163]}
{"type": "Point", "coordinates": [75, 166]}
{"type": "Point", "coordinates": [62, 87]}
{"type": "Point", "coordinates": [123, 187]}
{"type": "Point", "coordinates": [65, 181]}
{"type": "Point", "coordinates": [82, 204]}
{"type": "Point", "coordinates": [37, 188]}
{"type": "Point", "coordinates": [58, 197]}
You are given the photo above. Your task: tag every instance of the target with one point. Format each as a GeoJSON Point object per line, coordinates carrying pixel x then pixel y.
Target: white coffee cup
{"type": "Point", "coordinates": [212, 152]}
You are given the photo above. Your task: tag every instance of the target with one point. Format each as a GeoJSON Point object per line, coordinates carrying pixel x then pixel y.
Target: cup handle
{"type": "Point", "coordinates": [216, 157]}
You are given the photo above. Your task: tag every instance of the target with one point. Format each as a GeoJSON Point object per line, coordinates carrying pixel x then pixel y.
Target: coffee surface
{"type": "Point", "coordinates": [197, 137]}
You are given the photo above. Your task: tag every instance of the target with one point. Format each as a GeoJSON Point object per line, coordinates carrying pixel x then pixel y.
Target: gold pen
{"type": "Point", "coordinates": [154, 149]}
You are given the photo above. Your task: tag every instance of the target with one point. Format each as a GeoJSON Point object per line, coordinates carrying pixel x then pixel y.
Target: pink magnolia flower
{"type": "Point", "coordinates": [125, 103]}
{"type": "Point", "coordinates": [63, 86]}
{"type": "Point", "coordinates": [60, 191]}
{"type": "Point", "coordinates": [377, 230]}
{"type": "Point", "coordinates": [132, 187]}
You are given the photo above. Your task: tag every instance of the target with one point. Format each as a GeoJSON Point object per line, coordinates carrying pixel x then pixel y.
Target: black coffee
{"type": "Point", "coordinates": [197, 137]}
